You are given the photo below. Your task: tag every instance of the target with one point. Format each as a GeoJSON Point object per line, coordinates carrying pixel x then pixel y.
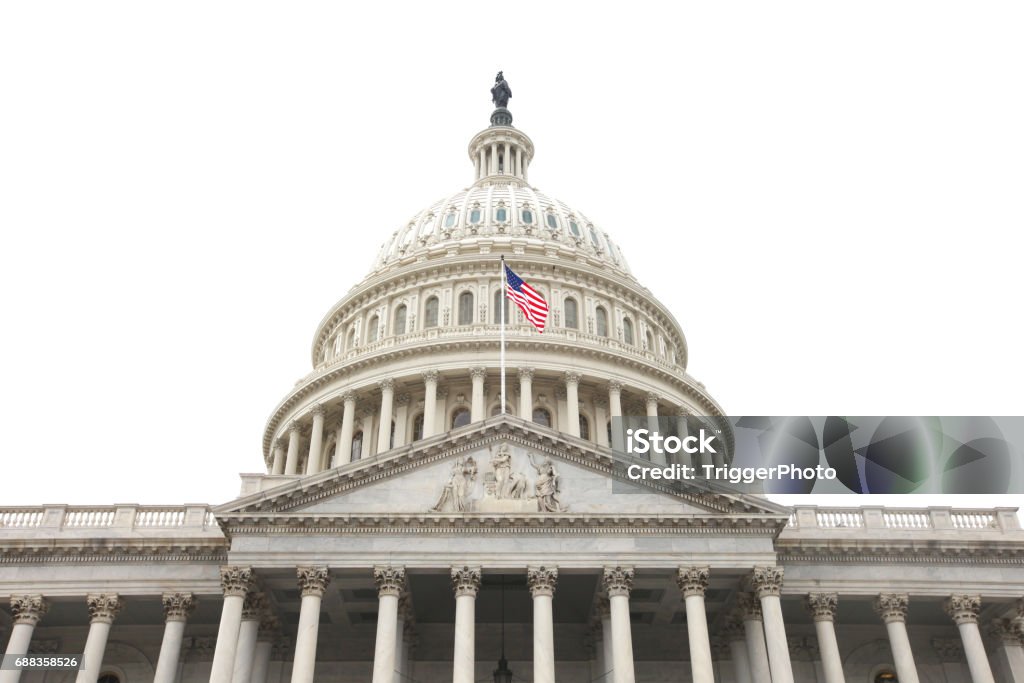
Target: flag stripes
{"type": "Point", "coordinates": [529, 300]}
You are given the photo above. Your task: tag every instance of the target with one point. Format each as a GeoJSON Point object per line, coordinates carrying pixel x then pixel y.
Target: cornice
{"type": "Point", "coordinates": [85, 551]}
{"type": "Point", "coordinates": [1008, 553]}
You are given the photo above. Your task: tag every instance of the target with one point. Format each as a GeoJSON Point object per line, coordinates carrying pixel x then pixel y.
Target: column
{"type": "Point", "coordinates": [291, 464]}
{"type": "Point", "coordinates": [963, 610]}
{"type": "Point", "coordinates": [390, 584]}
{"type": "Point", "coordinates": [601, 420]}
{"type": "Point", "coordinates": [572, 401]}
{"type": "Point", "coordinates": [608, 660]}
{"type": "Point", "coordinates": [465, 585]}
{"type": "Point", "coordinates": [316, 440]}
{"type": "Point", "coordinates": [652, 425]}
{"type": "Point", "coordinates": [519, 161]}
{"type": "Point", "coordinates": [1009, 652]}
{"type": "Point", "coordinates": [736, 637]}
{"type": "Point", "coordinates": [279, 454]}
{"type": "Point", "coordinates": [26, 611]}
{"type": "Point", "coordinates": [476, 413]}
{"type": "Point", "coordinates": [526, 393]}
{"type": "Point", "coordinates": [753, 628]}
{"type": "Point", "coordinates": [312, 583]}
{"type": "Point", "coordinates": [693, 581]}
{"type": "Point", "coordinates": [401, 419]}
{"type": "Point", "coordinates": [482, 164]}
{"type": "Point", "coordinates": [343, 451]}
{"type": "Point", "coordinates": [683, 429]}
{"type": "Point", "coordinates": [494, 157]}
{"type": "Point", "coordinates": [366, 422]}
{"type": "Point", "coordinates": [618, 581]}
{"type": "Point", "coordinates": [177, 607]}
{"type": "Point", "coordinates": [387, 403]}
{"type": "Point", "coordinates": [892, 608]}
{"type": "Point", "coordinates": [822, 607]}
{"type": "Point", "coordinates": [248, 630]}
{"type": "Point", "coordinates": [767, 582]}
{"type": "Point", "coordinates": [615, 410]}
{"type": "Point", "coordinates": [429, 403]}
{"type": "Point", "coordinates": [103, 608]}
{"type": "Point", "coordinates": [264, 647]}
{"type": "Point", "coordinates": [403, 615]}
{"type": "Point", "coordinates": [508, 162]}
{"type": "Point", "coordinates": [235, 582]}
{"type": "Point", "coordinates": [542, 582]}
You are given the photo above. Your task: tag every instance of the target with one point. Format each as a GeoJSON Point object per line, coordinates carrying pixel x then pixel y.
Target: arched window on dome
{"type": "Point", "coordinates": [449, 220]}
{"type": "Point", "coordinates": [593, 237]}
{"type": "Point", "coordinates": [417, 427]}
{"type": "Point", "coordinates": [584, 428]}
{"type": "Point", "coordinates": [466, 308]}
{"type": "Point", "coordinates": [572, 320]}
{"type": "Point", "coordinates": [627, 331]}
{"type": "Point", "coordinates": [475, 215]}
{"type": "Point", "coordinates": [526, 216]}
{"type": "Point", "coordinates": [650, 341]}
{"type": "Point", "coordinates": [350, 339]}
{"type": "Point", "coordinates": [372, 329]}
{"type": "Point", "coordinates": [500, 214]}
{"type": "Point", "coordinates": [391, 438]}
{"type": "Point", "coordinates": [574, 228]}
{"type": "Point", "coordinates": [608, 427]}
{"type": "Point", "coordinates": [430, 313]}
{"type": "Point", "coordinates": [552, 220]}
{"type": "Point", "coordinates": [357, 445]}
{"type": "Point", "coordinates": [602, 321]}
{"type": "Point", "coordinates": [460, 418]}
{"type": "Point", "coordinates": [542, 417]}
{"type": "Point", "coordinates": [400, 315]}
{"type": "Point", "coordinates": [500, 300]}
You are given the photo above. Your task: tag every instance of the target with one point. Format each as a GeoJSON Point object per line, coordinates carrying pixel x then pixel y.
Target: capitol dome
{"type": "Point", "coordinates": [413, 350]}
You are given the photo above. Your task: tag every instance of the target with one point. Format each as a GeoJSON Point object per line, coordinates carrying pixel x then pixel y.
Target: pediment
{"type": "Point", "coordinates": [502, 466]}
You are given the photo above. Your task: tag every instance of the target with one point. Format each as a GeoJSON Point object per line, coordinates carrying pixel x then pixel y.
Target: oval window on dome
{"type": "Point", "coordinates": [552, 221]}
{"type": "Point", "coordinates": [449, 220]}
{"type": "Point", "coordinates": [501, 215]}
{"type": "Point", "coordinates": [527, 216]}
{"type": "Point", "coordinates": [474, 216]}
{"type": "Point", "coordinates": [574, 229]}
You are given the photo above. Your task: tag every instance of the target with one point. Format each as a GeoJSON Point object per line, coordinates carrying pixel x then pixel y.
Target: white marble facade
{"type": "Point", "coordinates": [405, 528]}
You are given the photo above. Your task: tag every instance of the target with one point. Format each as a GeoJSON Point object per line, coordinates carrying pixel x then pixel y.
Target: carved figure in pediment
{"type": "Point", "coordinates": [546, 486]}
{"type": "Point", "coordinates": [507, 484]}
{"type": "Point", "coordinates": [455, 496]}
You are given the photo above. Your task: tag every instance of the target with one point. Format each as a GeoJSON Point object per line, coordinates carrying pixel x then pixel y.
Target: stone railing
{"type": "Point", "coordinates": [807, 517]}
{"type": "Point", "coordinates": [117, 518]}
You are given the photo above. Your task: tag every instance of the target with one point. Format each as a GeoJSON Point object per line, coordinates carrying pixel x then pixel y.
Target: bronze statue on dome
{"type": "Point", "coordinates": [501, 92]}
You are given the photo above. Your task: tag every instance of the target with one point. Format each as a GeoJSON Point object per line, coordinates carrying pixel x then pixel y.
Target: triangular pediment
{"type": "Point", "coordinates": [502, 466]}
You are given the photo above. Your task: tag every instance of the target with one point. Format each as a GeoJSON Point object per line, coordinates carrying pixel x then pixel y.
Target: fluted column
{"type": "Point", "coordinates": [767, 583]}
{"type": "Point", "coordinates": [343, 451]}
{"type": "Point", "coordinates": [291, 463]}
{"type": "Point", "coordinates": [736, 636]}
{"type": "Point", "coordinates": [822, 607]}
{"type": "Point", "coordinates": [312, 583]}
{"type": "Point", "coordinates": [892, 608]}
{"type": "Point", "coordinates": [683, 429]}
{"type": "Point", "coordinates": [542, 582]}
{"type": "Point", "coordinates": [615, 410]}
{"type": "Point", "coordinates": [476, 412]}
{"type": "Point", "coordinates": [604, 611]}
{"type": "Point", "coordinates": [26, 610]}
{"type": "Point", "coordinates": [248, 631]}
{"type": "Point", "coordinates": [177, 607]}
{"type": "Point", "coordinates": [572, 401]}
{"type": "Point", "coordinates": [103, 609]}
{"type": "Point", "coordinates": [280, 447]}
{"type": "Point", "coordinates": [963, 610]}
{"type": "Point", "coordinates": [618, 581]}
{"type": "Point", "coordinates": [753, 627]}
{"type": "Point", "coordinates": [526, 393]}
{"type": "Point", "coordinates": [693, 581]}
{"type": "Point", "coordinates": [465, 585]}
{"type": "Point", "coordinates": [1010, 650]}
{"type": "Point", "coordinates": [235, 583]}
{"type": "Point", "coordinates": [268, 632]}
{"type": "Point", "coordinates": [403, 615]}
{"type": "Point", "coordinates": [387, 403]}
{"type": "Point", "coordinates": [651, 403]}
{"type": "Point", "coordinates": [316, 440]}
{"type": "Point", "coordinates": [401, 419]}
{"type": "Point", "coordinates": [429, 403]}
{"type": "Point", "coordinates": [390, 584]}
{"type": "Point", "coordinates": [601, 418]}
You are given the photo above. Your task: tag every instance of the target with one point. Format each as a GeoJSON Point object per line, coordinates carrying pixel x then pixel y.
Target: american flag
{"type": "Point", "coordinates": [529, 300]}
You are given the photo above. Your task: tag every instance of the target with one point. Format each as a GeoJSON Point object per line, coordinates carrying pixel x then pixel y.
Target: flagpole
{"type": "Point", "coordinates": [501, 306]}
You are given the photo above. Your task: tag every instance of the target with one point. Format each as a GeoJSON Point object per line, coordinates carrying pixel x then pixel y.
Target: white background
{"type": "Point", "coordinates": [827, 195]}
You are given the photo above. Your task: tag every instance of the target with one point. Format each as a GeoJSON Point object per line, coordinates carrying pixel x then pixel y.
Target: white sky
{"type": "Point", "coordinates": [827, 195]}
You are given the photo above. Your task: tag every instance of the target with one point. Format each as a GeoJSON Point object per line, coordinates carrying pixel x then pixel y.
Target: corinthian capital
{"type": "Point", "coordinates": [178, 606]}
{"type": "Point", "coordinates": [430, 376]}
{"type": "Point", "coordinates": [542, 580]}
{"type": "Point", "coordinates": [254, 606]}
{"type": "Point", "coordinates": [1004, 630]}
{"type": "Point", "coordinates": [390, 580]}
{"type": "Point", "coordinates": [767, 581]}
{"type": "Point", "coordinates": [386, 384]}
{"type": "Point", "coordinates": [572, 377]}
{"type": "Point", "coordinates": [478, 373]}
{"type": "Point", "coordinates": [235, 580]}
{"type": "Point", "coordinates": [313, 580]}
{"type": "Point", "coordinates": [614, 386]}
{"type": "Point", "coordinates": [525, 374]}
{"type": "Point", "coordinates": [963, 609]}
{"type": "Point", "coordinates": [294, 427]}
{"type": "Point", "coordinates": [749, 606]}
{"type": "Point", "coordinates": [317, 409]}
{"type": "Point", "coordinates": [28, 609]}
{"type": "Point", "coordinates": [103, 607]}
{"type": "Point", "coordinates": [618, 581]}
{"type": "Point", "coordinates": [693, 580]}
{"type": "Point", "coordinates": [892, 606]}
{"type": "Point", "coordinates": [823, 606]}
{"type": "Point", "coordinates": [465, 581]}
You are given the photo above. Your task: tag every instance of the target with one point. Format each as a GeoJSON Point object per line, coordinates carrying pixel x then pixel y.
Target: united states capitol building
{"type": "Point", "coordinates": [404, 527]}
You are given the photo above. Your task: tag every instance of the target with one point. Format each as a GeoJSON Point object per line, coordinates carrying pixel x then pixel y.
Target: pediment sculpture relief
{"type": "Point", "coordinates": [505, 489]}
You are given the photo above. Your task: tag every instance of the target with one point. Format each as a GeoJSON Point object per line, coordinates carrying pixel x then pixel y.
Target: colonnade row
{"type": "Point", "coordinates": [755, 630]}
{"type": "Point", "coordinates": [287, 450]}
